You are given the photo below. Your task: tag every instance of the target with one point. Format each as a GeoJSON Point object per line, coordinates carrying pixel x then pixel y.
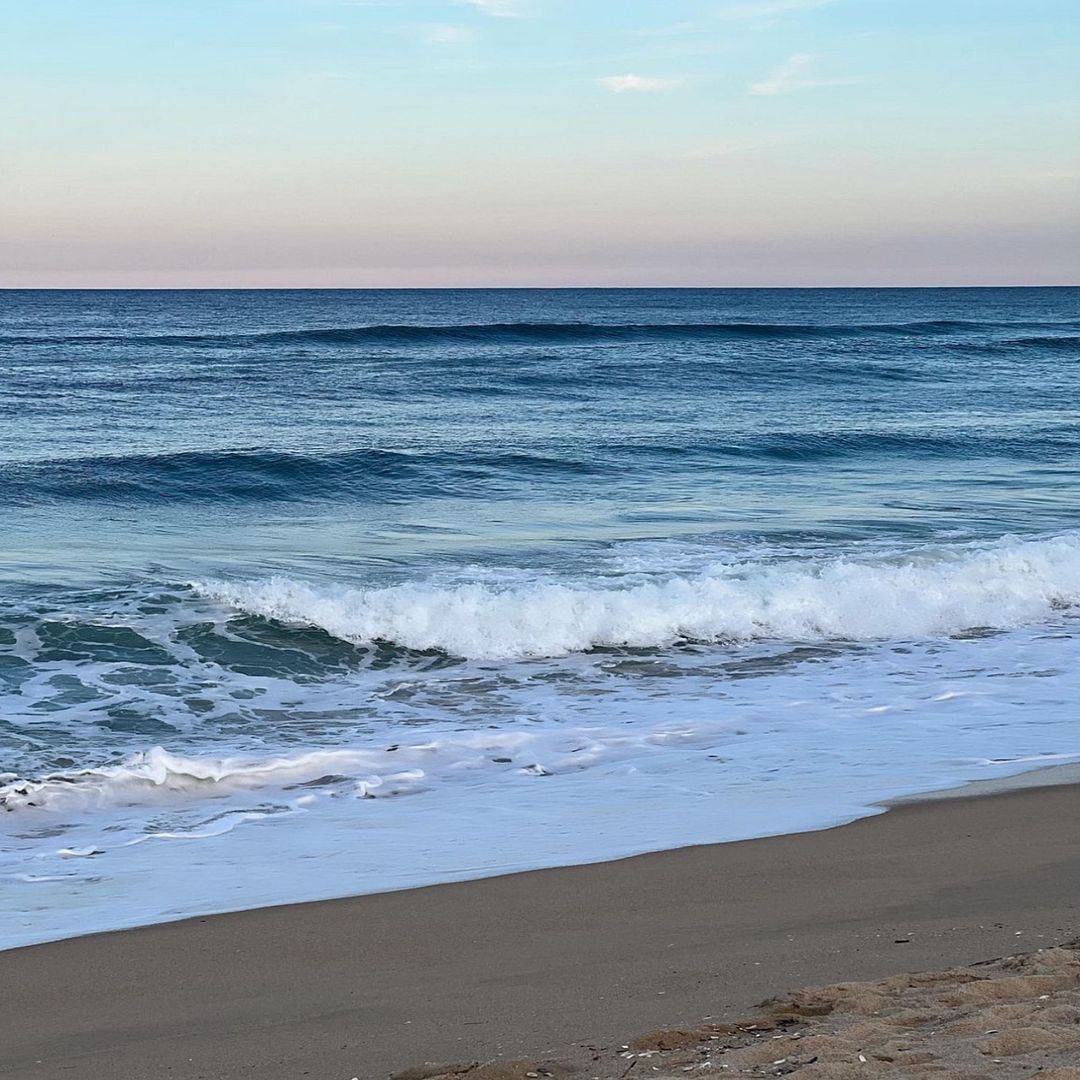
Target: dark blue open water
{"type": "Point", "coordinates": [310, 593]}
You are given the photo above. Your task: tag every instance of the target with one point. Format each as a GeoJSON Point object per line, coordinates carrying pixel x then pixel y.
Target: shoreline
{"type": "Point", "coordinates": [1042, 776]}
{"type": "Point", "coordinates": [1035, 776]}
{"type": "Point", "coordinates": [532, 962]}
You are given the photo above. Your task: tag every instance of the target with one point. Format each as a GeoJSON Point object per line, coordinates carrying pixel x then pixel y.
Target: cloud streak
{"type": "Point", "coordinates": [502, 9]}
{"type": "Point", "coordinates": [796, 73]}
{"type": "Point", "coordinates": [637, 84]}
{"type": "Point", "coordinates": [670, 30]}
{"type": "Point", "coordinates": [444, 34]}
{"type": "Point", "coordinates": [766, 9]}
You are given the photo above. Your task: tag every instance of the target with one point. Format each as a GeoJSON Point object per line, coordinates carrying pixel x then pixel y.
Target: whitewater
{"type": "Point", "coordinates": [920, 594]}
{"type": "Point", "coordinates": [315, 594]}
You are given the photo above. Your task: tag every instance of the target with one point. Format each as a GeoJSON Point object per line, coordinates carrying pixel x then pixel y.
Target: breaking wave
{"type": "Point", "coordinates": [924, 593]}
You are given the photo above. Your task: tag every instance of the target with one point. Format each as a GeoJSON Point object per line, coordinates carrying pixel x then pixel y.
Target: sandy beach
{"type": "Point", "coordinates": [541, 540]}
{"type": "Point", "coordinates": [564, 965]}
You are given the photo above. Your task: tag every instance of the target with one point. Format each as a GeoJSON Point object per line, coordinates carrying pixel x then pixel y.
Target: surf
{"type": "Point", "coordinates": [923, 593]}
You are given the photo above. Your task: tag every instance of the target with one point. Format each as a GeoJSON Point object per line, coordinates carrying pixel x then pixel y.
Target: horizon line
{"type": "Point", "coordinates": [519, 288]}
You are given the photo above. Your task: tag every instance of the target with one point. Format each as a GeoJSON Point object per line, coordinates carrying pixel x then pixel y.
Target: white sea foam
{"type": "Point", "coordinates": [374, 775]}
{"type": "Point", "coordinates": [924, 593]}
{"type": "Point", "coordinates": [647, 764]}
{"type": "Point", "coordinates": [157, 776]}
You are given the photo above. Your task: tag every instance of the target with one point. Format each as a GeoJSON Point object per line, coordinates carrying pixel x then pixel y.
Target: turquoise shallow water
{"type": "Point", "coordinates": [310, 593]}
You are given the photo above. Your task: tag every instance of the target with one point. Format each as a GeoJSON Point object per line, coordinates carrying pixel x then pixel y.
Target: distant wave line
{"type": "Point", "coordinates": [494, 333]}
{"type": "Point", "coordinates": [279, 475]}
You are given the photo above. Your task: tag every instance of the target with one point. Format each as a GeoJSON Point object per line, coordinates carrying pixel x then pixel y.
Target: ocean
{"type": "Point", "coordinates": [315, 593]}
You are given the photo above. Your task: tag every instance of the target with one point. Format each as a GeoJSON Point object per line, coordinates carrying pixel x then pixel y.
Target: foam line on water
{"type": "Point", "coordinates": [158, 776]}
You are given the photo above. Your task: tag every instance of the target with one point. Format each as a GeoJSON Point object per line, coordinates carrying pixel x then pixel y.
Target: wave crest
{"type": "Point", "coordinates": [267, 474]}
{"type": "Point", "coordinates": [274, 475]}
{"type": "Point", "coordinates": [528, 332]}
{"type": "Point", "coordinates": [925, 593]}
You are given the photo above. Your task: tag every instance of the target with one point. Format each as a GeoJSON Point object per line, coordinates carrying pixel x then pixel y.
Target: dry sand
{"type": "Point", "coordinates": [566, 965]}
{"type": "Point", "coordinates": [1013, 1018]}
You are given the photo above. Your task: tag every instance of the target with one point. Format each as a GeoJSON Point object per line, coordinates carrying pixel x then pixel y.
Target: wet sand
{"type": "Point", "coordinates": [550, 964]}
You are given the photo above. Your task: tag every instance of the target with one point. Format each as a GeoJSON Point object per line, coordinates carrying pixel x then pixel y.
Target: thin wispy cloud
{"type": "Point", "coordinates": [637, 84]}
{"type": "Point", "coordinates": [671, 30]}
{"type": "Point", "coordinates": [354, 3]}
{"type": "Point", "coordinates": [766, 9]}
{"type": "Point", "coordinates": [503, 9]}
{"type": "Point", "coordinates": [444, 34]}
{"type": "Point", "coordinates": [797, 72]}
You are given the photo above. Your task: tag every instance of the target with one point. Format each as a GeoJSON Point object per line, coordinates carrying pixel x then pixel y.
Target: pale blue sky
{"type": "Point", "coordinates": [539, 142]}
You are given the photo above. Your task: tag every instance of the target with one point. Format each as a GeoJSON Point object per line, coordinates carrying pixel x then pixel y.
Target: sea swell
{"type": "Point", "coordinates": [536, 333]}
{"type": "Point", "coordinates": [368, 473]}
{"type": "Point", "coordinates": [266, 475]}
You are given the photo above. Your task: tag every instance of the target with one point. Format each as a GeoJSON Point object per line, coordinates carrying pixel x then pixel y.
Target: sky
{"type": "Point", "coordinates": [417, 143]}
